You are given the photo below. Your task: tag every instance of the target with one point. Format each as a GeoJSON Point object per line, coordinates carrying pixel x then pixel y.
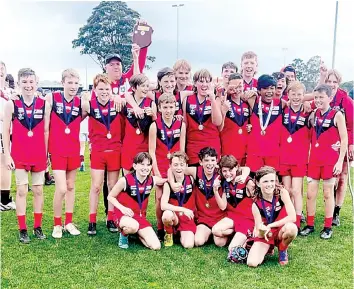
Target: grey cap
{"type": "Point", "coordinates": [111, 56]}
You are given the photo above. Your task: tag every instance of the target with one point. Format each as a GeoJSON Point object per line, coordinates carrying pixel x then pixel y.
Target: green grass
{"type": "Point", "coordinates": [86, 262]}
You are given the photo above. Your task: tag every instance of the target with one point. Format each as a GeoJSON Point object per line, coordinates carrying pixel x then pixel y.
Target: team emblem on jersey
{"type": "Point", "coordinates": [201, 184]}
{"type": "Point", "coordinates": [97, 113]}
{"type": "Point", "coordinates": [115, 90]}
{"type": "Point", "coordinates": [192, 108]}
{"type": "Point", "coordinates": [20, 115]}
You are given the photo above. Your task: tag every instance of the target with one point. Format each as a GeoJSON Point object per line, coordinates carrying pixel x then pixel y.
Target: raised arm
{"type": "Point", "coordinates": [152, 148]}
{"type": "Point", "coordinates": [289, 207]}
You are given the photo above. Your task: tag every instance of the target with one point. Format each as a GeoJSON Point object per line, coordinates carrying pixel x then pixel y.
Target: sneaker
{"type": "Point", "coordinates": [303, 219]}
{"type": "Point", "coordinates": [168, 240]}
{"type": "Point", "coordinates": [4, 208]}
{"type": "Point", "coordinates": [336, 221]}
{"type": "Point", "coordinates": [326, 233]}
{"type": "Point", "coordinates": [11, 205]}
{"type": "Point", "coordinates": [49, 182]}
{"type": "Point", "coordinates": [161, 235]}
{"type": "Point", "coordinates": [123, 242]}
{"type": "Point", "coordinates": [39, 233]}
{"type": "Point", "coordinates": [92, 229]}
{"type": "Point", "coordinates": [82, 167]}
{"type": "Point", "coordinates": [283, 257]}
{"type": "Point", "coordinates": [57, 232]}
{"type": "Point", "coordinates": [71, 229]}
{"type": "Point", "coordinates": [307, 230]}
{"type": "Point", "coordinates": [24, 239]}
{"type": "Point", "coordinates": [112, 227]}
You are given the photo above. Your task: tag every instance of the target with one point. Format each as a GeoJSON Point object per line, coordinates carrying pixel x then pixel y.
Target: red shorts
{"type": "Point", "coordinates": [207, 221]}
{"type": "Point", "coordinates": [143, 222]}
{"type": "Point", "coordinates": [256, 162]}
{"type": "Point", "coordinates": [296, 171]}
{"type": "Point", "coordinates": [274, 240]}
{"type": "Point", "coordinates": [103, 160]}
{"type": "Point", "coordinates": [65, 163]}
{"type": "Point", "coordinates": [30, 168]}
{"type": "Point", "coordinates": [320, 172]}
{"type": "Point", "coordinates": [241, 224]}
{"type": "Point", "coordinates": [185, 224]}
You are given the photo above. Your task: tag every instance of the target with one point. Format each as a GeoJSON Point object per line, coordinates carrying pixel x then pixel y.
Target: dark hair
{"type": "Point", "coordinates": [137, 80]}
{"type": "Point", "coordinates": [207, 151]}
{"type": "Point", "coordinates": [235, 76]}
{"type": "Point", "coordinates": [278, 75]}
{"type": "Point", "coordinates": [140, 157]}
{"type": "Point", "coordinates": [229, 64]}
{"type": "Point", "coordinates": [324, 88]}
{"type": "Point", "coordinates": [161, 73]}
{"type": "Point", "coordinates": [230, 162]}
{"type": "Point", "coordinates": [10, 79]}
{"type": "Point", "coordinates": [265, 170]}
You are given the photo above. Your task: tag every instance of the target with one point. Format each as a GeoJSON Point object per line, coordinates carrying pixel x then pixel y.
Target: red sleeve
{"type": "Point", "coordinates": [348, 106]}
{"type": "Point", "coordinates": [142, 61]}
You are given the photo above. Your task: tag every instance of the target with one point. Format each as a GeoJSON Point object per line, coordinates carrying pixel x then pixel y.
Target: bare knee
{"type": "Point", "coordinates": [60, 191]}
{"type": "Point", "coordinates": [199, 241]}
{"type": "Point", "coordinates": [216, 231]}
{"type": "Point", "coordinates": [187, 243]}
{"type": "Point", "coordinates": [252, 263]}
{"type": "Point", "coordinates": [21, 192]}
{"type": "Point", "coordinates": [220, 242]}
{"type": "Point", "coordinates": [95, 188]}
{"type": "Point", "coordinates": [167, 217]}
{"type": "Point", "coordinates": [155, 246]}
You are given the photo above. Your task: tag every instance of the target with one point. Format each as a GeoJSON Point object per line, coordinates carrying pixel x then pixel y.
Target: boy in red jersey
{"type": "Point", "coordinates": [290, 73]}
{"type": "Point", "coordinates": [249, 64]}
{"type": "Point", "coordinates": [295, 145]}
{"type": "Point", "coordinates": [227, 69]}
{"type": "Point", "coordinates": [6, 202]}
{"type": "Point", "coordinates": [179, 206]}
{"type": "Point", "coordinates": [166, 135]}
{"type": "Point", "coordinates": [235, 113]}
{"type": "Point", "coordinates": [130, 197]}
{"type": "Point", "coordinates": [264, 138]}
{"type": "Point", "coordinates": [182, 70]}
{"type": "Point", "coordinates": [29, 117]}
{"type": "Point", "coordinates": [236, 199]}
{"type": "Point", "coordinates": [280, 90]}
{"type": "Point", "coordinates": [274, 218]}
{"type": "Point", "coordinates": [136, 129]}
{"type": "Point", "coordinates": [205, 178]}
{"type": "Point", "coordinates": [105, 130]}
{"type": "Point", "coordinates": [324, 163]}
{"type": "Point", "coordinates": [342, 102]}
{"type": "Point", "coordinates": [202, 115]}
{"type": "Point", "coordinates": [65, 119]}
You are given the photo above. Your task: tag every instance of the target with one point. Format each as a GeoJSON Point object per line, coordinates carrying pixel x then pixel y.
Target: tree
{"type": "Point", "coordinates": [348, 86]}
{"type": "Point", "coordinates": [308, 73]}
{"type": "Point", "coordinates": [109, 29]}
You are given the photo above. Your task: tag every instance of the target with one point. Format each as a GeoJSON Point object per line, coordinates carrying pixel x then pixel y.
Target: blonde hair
{"type": "Point", "coordinates": [166, 98]}
{"type": "Point", "coordinates": [181, 155]}
{"type": "Point", "coordinates": [69, 73]}
{"type": "Point", "coordinates": [296, 85]}
{"type": "Point", "coordinates": [248, 55]}
{"type": "Point", "coordinates": [100, 78]}
{"type": "Point", "coordinates": [181, 63]}
{"type": "Point", "coordinates": [336, 74]}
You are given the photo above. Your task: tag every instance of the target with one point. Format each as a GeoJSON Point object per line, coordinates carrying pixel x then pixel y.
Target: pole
{"type": "Point", "coordinates": [335, 36]}
{"type": "Point", "coordinates": [177, 6]}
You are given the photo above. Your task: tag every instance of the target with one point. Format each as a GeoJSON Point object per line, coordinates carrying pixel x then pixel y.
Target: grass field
{"type": "Point", "coordinates": [86, 262]}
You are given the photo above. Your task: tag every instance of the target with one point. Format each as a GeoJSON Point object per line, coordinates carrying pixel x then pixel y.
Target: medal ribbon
{"type": "Point", "coordinates": [270, 218]}
{"type": "Point", "coordinates": [238, 120]}
{"type": "Point", "coordinates": [206, 190]}
{"type": "Point", "coordinates": [140, 202]}
{"type": "Point", "coordinates": [67, 116]}
{"type": "Point", "coordinates": [29, 120]}
{"type": "Point", "coordinates": [108, 123]}
{"type": "Point", "coordinates": [292, 127]}
{"type": "Point", "coordinates": [200, 115]}
{"type": "Point", "coordinates": [181, 200]}
{"type": "Point", "coordinates": [318, 128]}
{"type": "Point", "coordinates": [260, 113]}
{"type": "Point", "coordinates": [229, 186]}
{"type": "Point", "coordinates": [169, 141]}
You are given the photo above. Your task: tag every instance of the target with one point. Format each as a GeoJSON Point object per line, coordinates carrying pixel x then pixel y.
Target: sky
{"type": "Point", "coordinates": [39, 34]}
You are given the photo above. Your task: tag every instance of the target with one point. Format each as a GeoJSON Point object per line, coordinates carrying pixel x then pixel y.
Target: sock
{"type": "Point", "coordinates": [336, 210]}
{"type": "Point", "coordinates": [57, 221]}
{"type": "Point", "coordinates": [22, 222]}
{"type": "Point", "coordinates": [110, 216]}
{"type": "Point", "coordinates": [298, 220]}
{"type": "Point", "coordinates": [122, 232]}
{"type": "Point", "coordinates": [68, 218]}
{"type": "Point", "coordinates": [93, 218]}
{"type": "Point", "coordinates": [310, 220]}
{"type": "Point", "coordinates": [282, 246]}
{"type": "Point", "coordinates": [169, 229]}
{"type": "Point", "coordinates": [82, 159]}
{"type": "Point", "coordinates": [47, 176]}
{"type": "Point", "coordinates": [328, 222]}
{"type": "Point", "coordinates": [5, 197]}
{"type": "Point", "coordinates": [37, 220]}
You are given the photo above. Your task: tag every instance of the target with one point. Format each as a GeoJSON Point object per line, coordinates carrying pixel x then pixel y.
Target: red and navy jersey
{"type": "Point", "coordinates": [295, 137]}
{"type": "Point", "coordinates": [238, 203]}
{"type": "Point", "coordinates": [132, 140]}
{"type": "Point", "coordinates": [185, 197]}
{"type": "Point", "coordinates": [166, 143]}
{"type": "Point", "coordinates": [26, 150]}
{"type": "Point", "coordinates": [322, 153]}
{"type": "Point", "coordinates": [198, 139]}
{"type": "Point", "coordinates": [206, 204]}
{"type": "Point", "coordinates": [129, 197]}
{"type": "Point", "coordinates": [98, 130]}
{"type": "Point", "coordinates": [250, 86]}
{"type": "Point", "coordinates": [61, 143]}
{"type": "Point", "coordinates": [341, 101]}
{"type": "Point", "coordinates": [265, 210]}
{"type": "Point", "coordinates": [178, 101]}
{"type": "Point", "coordinates": [268, 144]}
{"type": "Point", "coordinates": [234, 134]}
